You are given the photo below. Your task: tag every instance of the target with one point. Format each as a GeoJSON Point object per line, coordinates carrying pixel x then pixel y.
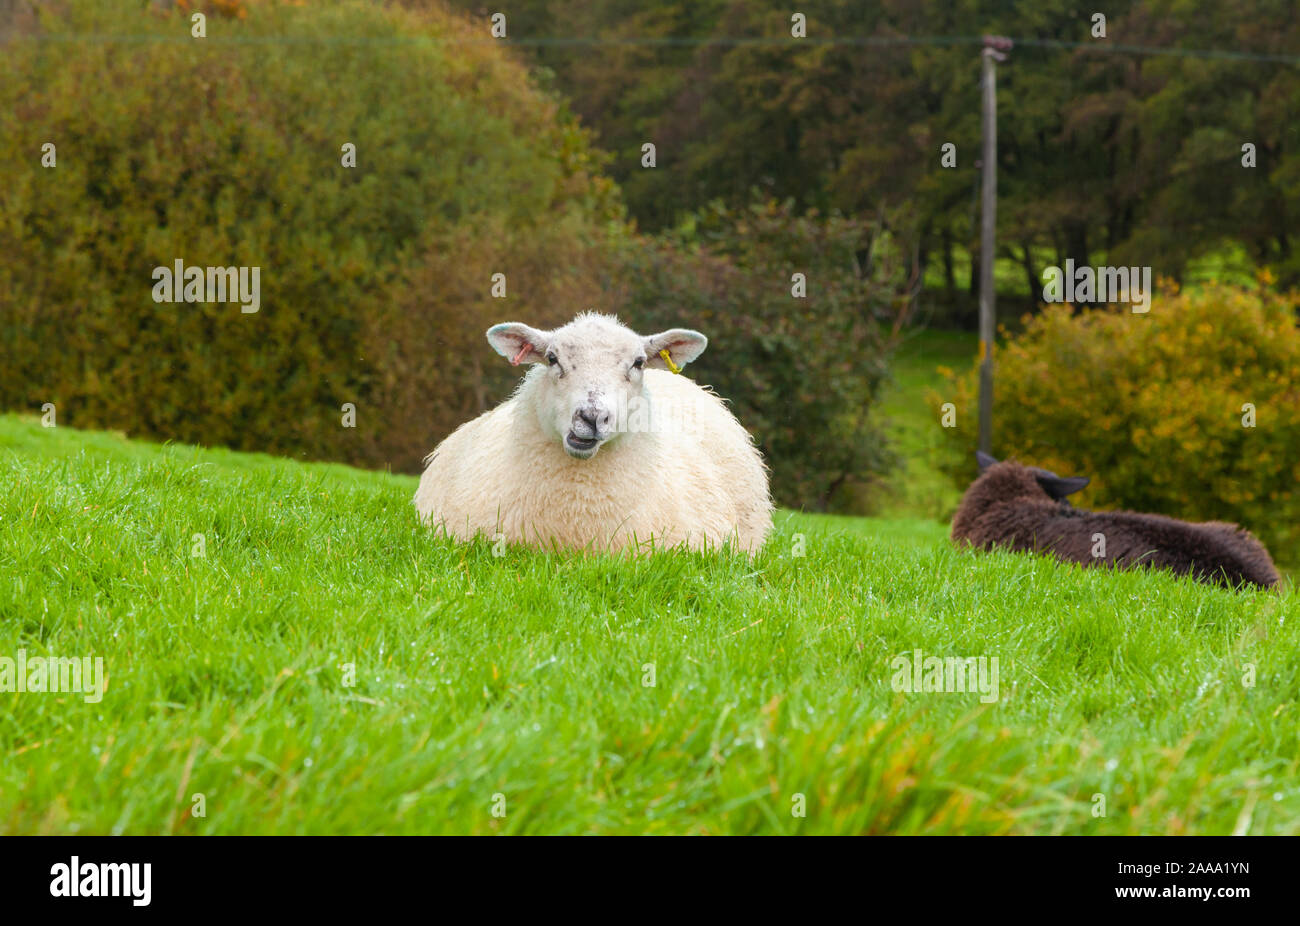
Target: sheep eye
{"type": "Point", "coordinates": [552, 359]}
{"type": "Point", "coordinates": [638, 363]}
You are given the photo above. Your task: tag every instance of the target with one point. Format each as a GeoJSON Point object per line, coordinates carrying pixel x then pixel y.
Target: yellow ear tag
{"type": "Point", "coordinates": [669, 360]}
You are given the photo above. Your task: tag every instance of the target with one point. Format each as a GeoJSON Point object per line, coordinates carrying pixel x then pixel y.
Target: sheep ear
{"type": "Point", "coordinates": [1060, 486]}
{"type": "Point", "coordinates": [984, 460]}
{"type": "Point", "coordinates": [518, 343]}
{"type": "Point", "coordinates": [682, 344]}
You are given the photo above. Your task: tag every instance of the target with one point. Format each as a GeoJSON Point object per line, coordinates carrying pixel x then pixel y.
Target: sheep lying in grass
{"type": "Point", "coordinates": [601, 447]}
{"type": "Point", "coordinates": [1025, 508]}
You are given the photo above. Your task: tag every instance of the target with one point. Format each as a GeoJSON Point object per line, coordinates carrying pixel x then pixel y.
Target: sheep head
{"type": "Point", "coordinates": [1011, 480]}
{"type": "Point", "coordinates": [588, 385]}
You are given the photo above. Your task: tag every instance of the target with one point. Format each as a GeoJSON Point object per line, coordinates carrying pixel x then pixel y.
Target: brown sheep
{"type": "Point", "coordinates": [1024, 508]}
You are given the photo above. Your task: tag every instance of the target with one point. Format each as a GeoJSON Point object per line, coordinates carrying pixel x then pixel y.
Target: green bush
{"type": "Point", "coordinates": [226, 151]}
{"type": "Point", "coordinates": [802, 374]}
{"type": "Point", "coordinates": [1154, 407]}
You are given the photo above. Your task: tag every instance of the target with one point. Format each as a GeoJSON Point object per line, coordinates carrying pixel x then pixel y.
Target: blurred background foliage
{"type": "Point", "coordinates": [524, 157]}
{"type": "Point", "coordinates": [1103, 151]}
{"type": "Point", "coordinates": [376, 280]}
{"type": "Point", "coordinates": [227, 151]}
{"type": "Point", "coordinates": [801, 373]}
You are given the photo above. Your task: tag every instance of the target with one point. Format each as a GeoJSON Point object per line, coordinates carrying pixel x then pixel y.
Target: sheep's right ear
{"type": "Point", "coordinates": [518, 343]}
{"type": "Point", "coordinates": [1060, 486]}
{"type": "Point", "coordinates": [984, 460]}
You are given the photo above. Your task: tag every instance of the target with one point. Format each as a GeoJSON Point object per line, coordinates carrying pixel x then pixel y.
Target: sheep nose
{"type": "Point", "coordinates": [593, 422]}
{"type": "Point", "coordinates": [584, 422]}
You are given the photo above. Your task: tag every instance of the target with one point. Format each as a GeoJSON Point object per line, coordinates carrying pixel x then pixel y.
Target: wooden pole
{"type": "Point", "coordinates": [994, 46]}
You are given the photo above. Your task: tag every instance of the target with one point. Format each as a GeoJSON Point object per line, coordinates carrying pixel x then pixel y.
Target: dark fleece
{"type": "Point", "coordinates": [1007, 507]}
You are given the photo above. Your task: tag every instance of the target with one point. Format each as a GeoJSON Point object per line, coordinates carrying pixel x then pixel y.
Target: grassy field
{"type": "Point", "coordinates": [917, 488]}
{"type": "Point", "coordinates": [542, 693]}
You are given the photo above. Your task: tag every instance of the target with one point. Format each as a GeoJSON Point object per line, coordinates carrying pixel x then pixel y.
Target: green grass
{"type": "Point", "coordinates": [918, 488]}
{"type": "Point", "coordinates": [522, 675]}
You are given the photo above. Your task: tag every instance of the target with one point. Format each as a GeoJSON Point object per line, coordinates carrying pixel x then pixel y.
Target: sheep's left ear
{"type": "Point", "coordinates": [683, 346]}
{"type": "Point", "coordinates": [1060, 486]}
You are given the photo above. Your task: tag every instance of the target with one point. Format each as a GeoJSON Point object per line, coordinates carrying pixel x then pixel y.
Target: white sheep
{"type": "Point", "coordinates": [603, 447]}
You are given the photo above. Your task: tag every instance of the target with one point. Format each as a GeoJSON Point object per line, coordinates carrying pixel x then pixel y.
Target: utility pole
{"type": "Point", "coordinates": [995, 47]}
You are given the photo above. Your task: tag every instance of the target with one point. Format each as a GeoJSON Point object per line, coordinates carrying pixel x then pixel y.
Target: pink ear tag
{"type": "Point", "coordinates": [520, 356]}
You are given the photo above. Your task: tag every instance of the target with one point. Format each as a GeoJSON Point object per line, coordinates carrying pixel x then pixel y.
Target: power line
{"type": "Point", "coordinates": [1100, 46]}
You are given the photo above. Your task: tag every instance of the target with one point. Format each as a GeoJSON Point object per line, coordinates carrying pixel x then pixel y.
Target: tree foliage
{"type": "Point", "coordinates": [1103, 150]}
{"type": "Point", "coordinates": [374, 278]}
{"type": "Point", "coordinates": [800, 332]}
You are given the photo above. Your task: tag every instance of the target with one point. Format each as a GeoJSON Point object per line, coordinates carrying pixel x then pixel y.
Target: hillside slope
{"type": "Point", "coordinates": [232, 596]}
